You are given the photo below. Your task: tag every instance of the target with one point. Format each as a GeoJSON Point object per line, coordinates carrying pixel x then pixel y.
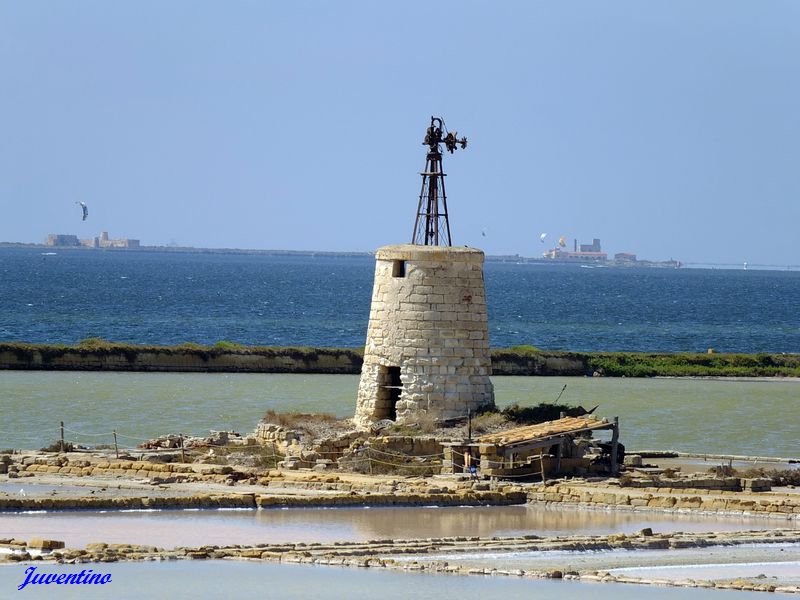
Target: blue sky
{"type": "Point", "coordinates": [669, 129]}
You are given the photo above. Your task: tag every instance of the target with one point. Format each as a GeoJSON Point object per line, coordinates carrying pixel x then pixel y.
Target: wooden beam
{"type": "Point", "coordinates": [614, 447]}
{"type": "Point", "coordinates": [558, 457]}
{"type": "Point", "coordinates": [541, 465]}
{"type": "Point", "coordinates": [553, 436]}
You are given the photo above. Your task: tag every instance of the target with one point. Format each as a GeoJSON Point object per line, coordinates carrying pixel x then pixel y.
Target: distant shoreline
{"type": "Point", "coordinates": [507, 258]}
{"type": "Point", "coordinates": [185, 250]}
{"type": "Point", "coordinates": [792, 378]}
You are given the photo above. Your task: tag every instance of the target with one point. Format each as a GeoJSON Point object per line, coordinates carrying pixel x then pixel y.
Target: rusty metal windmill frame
{"type": "Point", "coordinates": [432, 226]}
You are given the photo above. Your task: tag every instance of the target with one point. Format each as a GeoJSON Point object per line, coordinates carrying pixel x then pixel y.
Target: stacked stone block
{"type": "Point", "coordinates": [427, 350]}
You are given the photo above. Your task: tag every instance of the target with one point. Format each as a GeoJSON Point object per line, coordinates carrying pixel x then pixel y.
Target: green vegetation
{"type": "Point", "coordinates": [86, 353]}
{"type": "Point", "coordinates": [540, 413]}
{"type": "Point", "coordinates": [228, 345]}
{"type": "Point", "coordinates": [94, 343]}
{"type": "Point", "coordinates": [493, 418]}
{"type": "Point", "coordinates": [526, 360]}
{"type": "Point", "coordinates": [519, 360]}
{"type": "Point", "coordinates": [524, 349]}
{"type": "Point", "coordinates": [191, 347]}
{"type": "Point", "coordinates": [681, 364]}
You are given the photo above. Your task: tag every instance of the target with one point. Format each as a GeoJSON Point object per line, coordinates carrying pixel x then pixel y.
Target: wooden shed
{"type": "Point", "coordinates": [541, 449]}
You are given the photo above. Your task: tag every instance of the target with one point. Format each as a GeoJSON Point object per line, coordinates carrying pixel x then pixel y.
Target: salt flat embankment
{"type": "Point", "coordinates": [98, 355]}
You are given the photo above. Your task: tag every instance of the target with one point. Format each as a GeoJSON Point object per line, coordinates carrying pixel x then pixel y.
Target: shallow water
{"type": "Point", "coordinates": [221, 579]}
{"type": "Point", "coordinates": [785, 572]}
{"type": "Point", "coordinates": [774, 560]}
{"type": "Point", "coordinates": [26, 487]}
{"type": "Point", "coordinates": [733, 417]}
{"type": "Point", "coordinates": [170, 528]}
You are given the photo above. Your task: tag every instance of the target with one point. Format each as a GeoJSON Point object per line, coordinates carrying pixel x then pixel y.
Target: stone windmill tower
{"type": "Point", "coordinates": [427, 350]}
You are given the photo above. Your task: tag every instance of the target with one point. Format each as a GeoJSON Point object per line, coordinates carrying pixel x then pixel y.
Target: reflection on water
{"type": "Point", "coordinates": [654, 413]}
{"type": "Point", "coordinates": [224, 579]}
{"type": "Point", "coordinates": [195, 528]}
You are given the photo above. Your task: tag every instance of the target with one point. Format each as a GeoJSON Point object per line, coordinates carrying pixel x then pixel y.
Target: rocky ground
{"type": "Point", "coordinates": [284, 464]}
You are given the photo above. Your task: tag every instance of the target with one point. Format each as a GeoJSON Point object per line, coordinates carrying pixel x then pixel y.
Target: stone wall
{"type": "Point", "coordinates": [568, 364]}
{"type": "Point", "coordinates": [154, 358]}
{"type": "Point", "coordinates": [252, 360]}
{"type": "Point", "coordinates": [691, 482]}
{"type": "Point", "coordinates": [406, 445]}
{"type": "Point", "coordinates": [668, 499]}
{"type": "Point", "coordinates": [256, 359]}
{"type": "Point", "coordinates": [427, 323]}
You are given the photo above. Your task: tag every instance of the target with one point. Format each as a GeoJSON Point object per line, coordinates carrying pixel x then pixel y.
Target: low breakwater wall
{"type": "Point", "coordinates": [179, 359]}
{"type": "Point", "coordinates": [249, 360]}
{"type": "Point", "coordinates": [245, 500]}
{"type": "Point", "coordinates": [107, 356]}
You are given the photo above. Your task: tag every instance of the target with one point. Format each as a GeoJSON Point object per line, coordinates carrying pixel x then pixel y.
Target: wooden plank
{"type": "Point", "coordinates": [543, 430]}
{"type": "Point", "coordinates": [533, 445]}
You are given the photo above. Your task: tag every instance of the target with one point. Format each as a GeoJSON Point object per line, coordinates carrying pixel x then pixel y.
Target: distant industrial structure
{"type": "Point", "coordinates": [62, 240]}
{"type": "Point", "coordinates": [593, 254]}
{"type": "Point", "coordinates": [587, 253]}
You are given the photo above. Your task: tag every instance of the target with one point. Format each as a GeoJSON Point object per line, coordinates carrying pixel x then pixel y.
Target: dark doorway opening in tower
{"type": "Point", "coordinates": [390, 390]}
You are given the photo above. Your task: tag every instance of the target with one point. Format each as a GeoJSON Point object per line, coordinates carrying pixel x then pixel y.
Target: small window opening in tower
{"type": "Point", "coordinates": [398, 268]}
{"type": "Point", "coordinates": [391, 387]}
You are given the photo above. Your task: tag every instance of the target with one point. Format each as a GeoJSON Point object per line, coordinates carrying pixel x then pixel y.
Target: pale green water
{"type": "Point", "coordinates": [735, 417]}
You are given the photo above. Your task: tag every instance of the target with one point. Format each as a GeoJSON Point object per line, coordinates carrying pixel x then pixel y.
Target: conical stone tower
{"type": "Point", "coordinates": [427, 350]}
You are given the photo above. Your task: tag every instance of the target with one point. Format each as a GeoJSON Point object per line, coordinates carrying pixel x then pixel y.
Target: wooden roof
{"type": "Point", "coordinates": [542, 431]}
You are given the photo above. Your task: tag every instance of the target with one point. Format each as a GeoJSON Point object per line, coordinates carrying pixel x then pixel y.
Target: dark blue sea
{"type": "Point", "coordinates": [171, 298]}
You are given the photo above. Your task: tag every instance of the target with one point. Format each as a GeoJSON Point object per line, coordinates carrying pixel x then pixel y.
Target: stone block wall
{"type": "Point", "coordinates": [407, 445]}
{"type": "Point", "coordinates": [428, 325]}
{"type": "Point", "coordinates": [666, 499]}
{"type": "Point", "coordinates": [693, 482]}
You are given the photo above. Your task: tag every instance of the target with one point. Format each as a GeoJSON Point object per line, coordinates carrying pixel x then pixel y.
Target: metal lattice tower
{"type": "Point", "coordinates": [432, 227]}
